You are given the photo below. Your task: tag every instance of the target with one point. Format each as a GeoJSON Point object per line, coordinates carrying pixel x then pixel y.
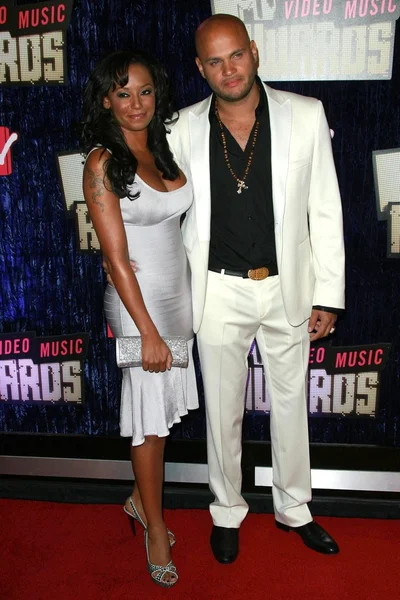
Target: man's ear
{"type": "Point", "coordinates": [200, 67]}
{"type": "Point", "coordinates": [254, 51]}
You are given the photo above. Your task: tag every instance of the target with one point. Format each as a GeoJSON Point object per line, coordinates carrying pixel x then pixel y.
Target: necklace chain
{"type": "Point", "coordinates": [241, 183]}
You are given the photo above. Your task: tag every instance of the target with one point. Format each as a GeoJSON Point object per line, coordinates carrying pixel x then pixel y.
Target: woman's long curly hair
{"type": "Point", "coordinates": [101, 129]}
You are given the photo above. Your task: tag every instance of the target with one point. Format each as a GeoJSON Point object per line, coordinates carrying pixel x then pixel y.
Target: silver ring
{"type": "Point", "coordinates": [332, 330]}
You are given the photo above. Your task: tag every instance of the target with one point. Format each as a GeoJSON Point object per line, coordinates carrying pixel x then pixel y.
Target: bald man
{"type": "Point", "coordinates": [265, 243]}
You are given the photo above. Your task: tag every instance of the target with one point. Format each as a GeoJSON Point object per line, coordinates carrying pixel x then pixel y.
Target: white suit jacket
{"type": "Point", "coordinates": [306, 201]}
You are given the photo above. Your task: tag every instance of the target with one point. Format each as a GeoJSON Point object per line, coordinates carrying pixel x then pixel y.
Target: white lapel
{"type": "Point", "coordinates": [199, 128]}
{"type": "Point", "coordinates": [280, 115]}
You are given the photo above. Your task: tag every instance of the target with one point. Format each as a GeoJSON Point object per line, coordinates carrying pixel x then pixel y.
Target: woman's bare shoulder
{"type": "Point", "coordinates": [96, 159]}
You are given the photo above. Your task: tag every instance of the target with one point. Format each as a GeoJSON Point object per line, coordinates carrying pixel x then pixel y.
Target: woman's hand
{"type": "Point", "coordinates": [156, 356]}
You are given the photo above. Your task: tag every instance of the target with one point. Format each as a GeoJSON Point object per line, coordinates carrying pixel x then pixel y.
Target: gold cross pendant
{"type": "Point", "coordinates": [241, 186]}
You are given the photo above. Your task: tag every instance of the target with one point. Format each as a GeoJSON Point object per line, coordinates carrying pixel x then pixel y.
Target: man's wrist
{"type": "Point", "coordinates": [335, 311]}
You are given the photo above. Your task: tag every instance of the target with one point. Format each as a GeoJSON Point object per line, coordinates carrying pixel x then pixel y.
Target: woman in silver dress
{"type": "Point", "coordinates": [136, 195]}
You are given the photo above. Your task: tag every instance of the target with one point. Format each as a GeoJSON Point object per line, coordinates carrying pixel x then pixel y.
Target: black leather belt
{"type": "Point", "coordinates": [255, 274]}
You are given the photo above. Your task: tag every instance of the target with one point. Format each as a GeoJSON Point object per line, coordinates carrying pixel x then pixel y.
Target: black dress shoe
{"type": "Point", "coordinates": [314, 536]}
{"type": "Point", "coordinates": [225, 544]}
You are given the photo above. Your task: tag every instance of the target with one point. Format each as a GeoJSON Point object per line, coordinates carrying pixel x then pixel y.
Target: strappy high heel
{"type": "Point", "coordinates": [136, 517]}
{"type": "Point", "coordinates": [157, 572]}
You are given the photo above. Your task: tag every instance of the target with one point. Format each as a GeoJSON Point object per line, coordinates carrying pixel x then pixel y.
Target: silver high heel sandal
{"type": "Point", "coordinates": [157, 572]}
{"type": "Point", "coordinates": [136, 517]}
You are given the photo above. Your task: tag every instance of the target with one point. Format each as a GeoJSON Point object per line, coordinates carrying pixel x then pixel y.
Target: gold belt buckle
{"type": "Point", "coordinates": [258, 274]}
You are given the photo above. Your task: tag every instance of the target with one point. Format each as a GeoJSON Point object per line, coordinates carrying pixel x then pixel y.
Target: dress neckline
{"type": "Point", "coordinates": [159, 191]}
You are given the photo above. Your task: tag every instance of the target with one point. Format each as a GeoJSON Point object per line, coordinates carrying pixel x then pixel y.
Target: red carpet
{"type": "Point", "coordinates": [87, 552]}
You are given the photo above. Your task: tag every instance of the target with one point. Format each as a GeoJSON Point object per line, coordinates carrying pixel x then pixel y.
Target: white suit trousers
{"type": "Point", "coordinates": [236, 311]}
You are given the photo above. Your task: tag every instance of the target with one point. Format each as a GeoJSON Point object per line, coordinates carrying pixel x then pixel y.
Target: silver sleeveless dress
{"type": "Point", "coordinates": [152, 402]}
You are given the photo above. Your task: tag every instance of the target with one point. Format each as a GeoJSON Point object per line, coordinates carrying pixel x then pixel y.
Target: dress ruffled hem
{"type": "Point", "coordinates": [151, 403]}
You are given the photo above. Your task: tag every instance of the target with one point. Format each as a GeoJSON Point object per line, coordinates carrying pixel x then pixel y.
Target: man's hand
{"type": "Point", "coordinates": [109, 278]}
{"type": "Point", "coordinates": [321, 324]}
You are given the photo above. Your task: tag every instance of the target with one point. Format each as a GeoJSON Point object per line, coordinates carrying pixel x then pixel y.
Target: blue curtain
{"type": "Point", "coordinates": [49, 287]}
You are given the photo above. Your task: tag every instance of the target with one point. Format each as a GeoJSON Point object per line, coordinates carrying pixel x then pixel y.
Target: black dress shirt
{"type": "Point", "coordinates": [242, 225]}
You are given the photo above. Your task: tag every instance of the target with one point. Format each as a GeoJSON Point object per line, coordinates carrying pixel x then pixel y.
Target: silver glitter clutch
{"type": "Point", "coordinates": [129, 351]}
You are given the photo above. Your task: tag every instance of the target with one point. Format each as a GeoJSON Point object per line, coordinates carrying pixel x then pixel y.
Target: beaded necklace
{"type": "Point", "coordinates": [240, 182]}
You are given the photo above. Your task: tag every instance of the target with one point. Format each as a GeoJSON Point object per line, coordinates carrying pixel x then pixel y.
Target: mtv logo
{"type": "Point", "coordinates": [6, 141]}
{"type": "Point", "coordinates": [386, 167]}
{"type": "Point", "coordinates": [247, 10]}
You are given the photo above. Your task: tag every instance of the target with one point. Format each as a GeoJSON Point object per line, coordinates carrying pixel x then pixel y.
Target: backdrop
{"type": "Point", "coordinates": [51, 288]}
